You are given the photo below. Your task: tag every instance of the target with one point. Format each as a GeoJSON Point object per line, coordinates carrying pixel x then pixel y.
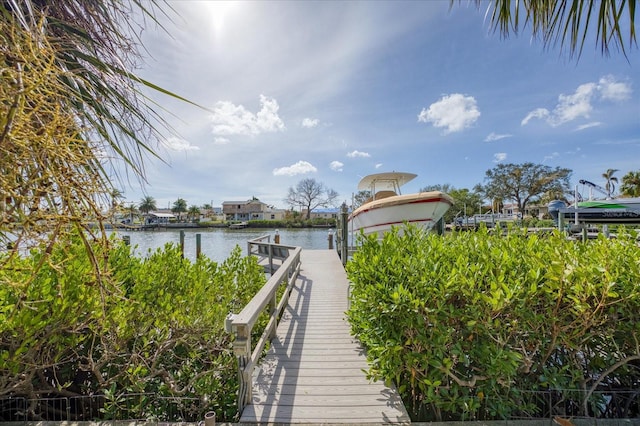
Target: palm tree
{"type": "Point", "coordinates": [179, 206]}
{"type": "Point", "coordinates": [610, 187]}
{"type": "Point", "coordinates": [631, 184]}
{"type": "Point", "coordinates": [194, 212]}
{"type": "Point", "coordinates": [147, 204]}
{"type": "Point", "coordinates": [95, 39]}
{"type": "Point", "coordinates": [567, 22]}
{"type": "Point", "coordinates": [208, 209]}
{"type": "Point", "coordinates": [116, 197]}
{"type": "Point", "coordinates": [70, 94]}
{"type": "Point", "coordinates": [132, 210]}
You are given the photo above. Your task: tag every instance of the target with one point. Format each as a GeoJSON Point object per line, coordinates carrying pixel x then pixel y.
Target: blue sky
{"type": "Point", "coordinates": [335, 91]}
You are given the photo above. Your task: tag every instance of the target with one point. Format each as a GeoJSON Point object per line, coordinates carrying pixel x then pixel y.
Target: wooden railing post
{"type": "Point", "coordinates": [242, 351]}
{"type": "Point", "coordinates": [273, 303]}
{"type": "Point", "coordinates": [344, 219]}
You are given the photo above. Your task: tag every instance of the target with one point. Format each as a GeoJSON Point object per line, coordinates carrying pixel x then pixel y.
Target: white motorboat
{"type": "Point", "coordinates": [387, 207]}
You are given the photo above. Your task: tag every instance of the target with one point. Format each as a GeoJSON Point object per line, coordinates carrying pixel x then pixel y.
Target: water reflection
{"type": "Point", "coordinates": [217, 243]}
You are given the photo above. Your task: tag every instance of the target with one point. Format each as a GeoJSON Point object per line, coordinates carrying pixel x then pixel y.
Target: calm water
{"type": "Point", "coordinates": [217, 243]}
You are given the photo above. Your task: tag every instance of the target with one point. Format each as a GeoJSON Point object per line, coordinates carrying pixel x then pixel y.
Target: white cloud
{"type": "Point", "coordinates": [300, 168]}
{"type": "Point", "coordinates": [496, 137]}
{"type": "Point", "coordinates": [453, 112]}
{"type": "Point", "coordinates": [336, 166]}
{"type": "Point", "coordinates": [229, 119]}
{"type": "Point", "coordinates": [573, 106]}
{"type": "Point", "coordinates": [551, 156]}
{"type": "Point", "coordinates": [536, 113]}
{"type": "Point", "coordinates": [580, 103]}
{"type": "Point", "coordinates": [356, 153]}
{"type": "Point", "coordinates": [219, 140]}
{"type": "Point", "coordinates": [310, 122]}
{"type": "Point", "coordinates": [612, 90]}
{"type": "Point", "coordinates": [588, 125]}
{"type": "Point", "coordinates": [377, 166]}
{"type": "Point", "coordinates": [177, 144]}
{"type": "Point", "coordinates": [499, 157]}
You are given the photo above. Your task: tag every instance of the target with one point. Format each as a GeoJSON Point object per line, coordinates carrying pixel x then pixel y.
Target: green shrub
{"type": "Point", "coordinates": [469, 324]}
{"type": "Point", "coordinates": [156, 328]}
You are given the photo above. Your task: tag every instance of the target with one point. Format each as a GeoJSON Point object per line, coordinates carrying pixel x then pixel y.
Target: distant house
{"type": "Point", "coordinates": [323, 213]}
{"type": "Point", "coordinates": [157, 218]}
{"type": "Point", "coordinates": [210, 215]}
{"type": "Point", "coordinates": [531, 210]}
{"type": "Point", "coordinates": [250, 210]}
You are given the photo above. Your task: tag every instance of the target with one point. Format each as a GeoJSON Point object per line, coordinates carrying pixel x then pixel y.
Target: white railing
{"type": "Point", "coordinates": [241, 325]}
{"type": "Point", "coordinates": [487, 218]}
{"type": "Point", "coordinates": [262, 248]}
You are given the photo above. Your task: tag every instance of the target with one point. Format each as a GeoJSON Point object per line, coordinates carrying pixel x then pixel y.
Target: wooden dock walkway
{"type": "Point", "coordinates": [314, 370]}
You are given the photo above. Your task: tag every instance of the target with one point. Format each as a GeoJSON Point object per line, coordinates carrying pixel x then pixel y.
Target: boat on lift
{"type": "Point", "coordinates": [607, 210]}
{"type": "Point", "coordinates": [387, 207]}
{"type": "Point", "coordinates": [617, 210]}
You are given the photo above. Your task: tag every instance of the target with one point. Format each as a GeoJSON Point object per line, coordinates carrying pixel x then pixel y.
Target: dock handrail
{"type": "Point", "coordinates": [241, 325]}
{"type": "Point", "coordinates": [271, 251]}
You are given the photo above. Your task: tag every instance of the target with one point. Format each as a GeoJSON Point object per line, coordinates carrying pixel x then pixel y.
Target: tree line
{"type": "Point", "coordinates": [524, 184]}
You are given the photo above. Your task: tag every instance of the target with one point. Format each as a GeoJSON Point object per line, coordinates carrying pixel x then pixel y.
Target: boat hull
{"type": "Point", "coordinates": [422, 209]}
{"type": "Point", "coordinates": [620, 210]}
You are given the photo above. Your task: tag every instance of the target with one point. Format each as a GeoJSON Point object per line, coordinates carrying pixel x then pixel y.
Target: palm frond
{"type": "Point", "coordinates": [568, 23]}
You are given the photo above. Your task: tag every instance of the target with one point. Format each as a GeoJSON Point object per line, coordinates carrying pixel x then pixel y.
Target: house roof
{"type": "Point", "coordinates": [242, 202]}
{"type": "Point", "coordinates": [169, 215]}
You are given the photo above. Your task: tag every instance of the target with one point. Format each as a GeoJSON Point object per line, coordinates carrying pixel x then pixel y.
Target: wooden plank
{"type": "Point", "coordinates": [344, 390]}
{"type": "Point", "coordinates": [327, 398]}
{"type": "Point", "coordinates": [318, 414]}
{"type": "Point", "coordinates": [314, 371]}
{"type": "Point", "coordinates": [318, 345]}
{"type": "Point", "coordinates": [292, 372]}
{"type": "Point", "coordinates": [312, 357]}
{"type": "Point", "coordinates": [267, 382]}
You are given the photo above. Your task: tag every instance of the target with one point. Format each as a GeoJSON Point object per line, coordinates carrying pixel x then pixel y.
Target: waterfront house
{"type": "Point", "coordinates": [538, 211]}
{"type": "Point", "coordinates": [253, 209]}
{"type": "Point", "coordinates": [323, 213]}
{"type": "Point", "coordinates": [158, 218]}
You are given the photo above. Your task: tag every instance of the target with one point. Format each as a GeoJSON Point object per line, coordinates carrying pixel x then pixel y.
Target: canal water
{"type": "Point", "coordinates": [217, 243]}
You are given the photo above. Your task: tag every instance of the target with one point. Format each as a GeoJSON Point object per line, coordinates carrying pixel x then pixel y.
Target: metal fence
{"type": "Point", "coordinates": [604, 404]}
{"type": "Point", "coordinates": [137, 406]}
{"type": "Point", "coordinates": [548, 404]}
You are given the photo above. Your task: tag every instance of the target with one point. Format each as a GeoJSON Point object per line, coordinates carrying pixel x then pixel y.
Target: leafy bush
{"type": "Point", "coordinates": [533, 222]}
{"type": "Point", "coordinates": [156, 328]}
{"type": "Point", "coordinates": [470, 324]}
